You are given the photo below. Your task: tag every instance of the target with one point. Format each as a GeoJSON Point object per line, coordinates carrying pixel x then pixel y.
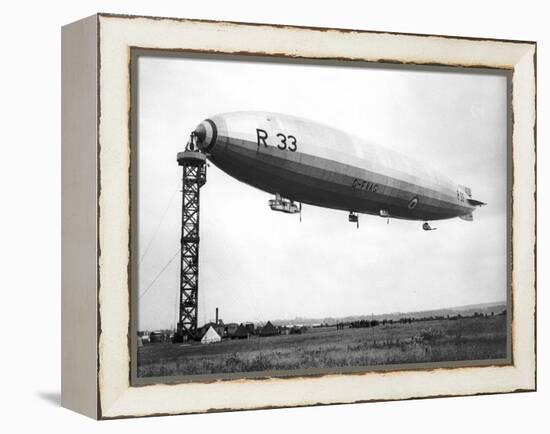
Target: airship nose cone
{"type": "Point", "coordinates": [200, 133]}
{"type": "Point", "coordinates": [206, 134]}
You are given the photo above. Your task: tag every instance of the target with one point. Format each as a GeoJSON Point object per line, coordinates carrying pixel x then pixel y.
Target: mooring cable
{"type": "Point", "coordinates": [160, 223]}
{"type": "Point", "coordinates": [159, 274]}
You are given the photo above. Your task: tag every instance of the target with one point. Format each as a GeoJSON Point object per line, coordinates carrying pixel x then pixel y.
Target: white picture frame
{"type": "Point", "coordinates": [96, 162]}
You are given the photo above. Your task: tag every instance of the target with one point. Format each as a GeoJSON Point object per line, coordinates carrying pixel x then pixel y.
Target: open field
{"type": "Point", "coordinates": [471, 338]}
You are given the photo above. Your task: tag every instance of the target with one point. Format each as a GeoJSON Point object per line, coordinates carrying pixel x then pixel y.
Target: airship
{"type": "Point", "coordinates": [303, 161]}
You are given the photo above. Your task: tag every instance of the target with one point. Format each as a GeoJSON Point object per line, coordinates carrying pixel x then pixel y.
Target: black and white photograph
{"type": "Point", "coordinates": [293, 217]}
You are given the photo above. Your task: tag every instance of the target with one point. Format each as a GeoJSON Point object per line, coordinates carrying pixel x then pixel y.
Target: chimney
{"type": "Point", "coordinates": [216, 315]}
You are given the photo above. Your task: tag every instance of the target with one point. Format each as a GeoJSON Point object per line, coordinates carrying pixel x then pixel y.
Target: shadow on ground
{"type": "Point", "coordinates": [52, 398]}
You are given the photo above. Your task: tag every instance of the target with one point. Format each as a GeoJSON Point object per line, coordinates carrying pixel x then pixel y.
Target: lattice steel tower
{"type": "Point", "coordinates": [194, 177]}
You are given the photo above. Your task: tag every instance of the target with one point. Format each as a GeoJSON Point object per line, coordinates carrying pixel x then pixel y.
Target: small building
{"type": "Point", "coordinates": [250, 327]}
{"type": "Point", "coordinates": [269, 330]}
{"type": "Point", "coordinates": [241, 333]}
{"type": "Point", "coordinates": [298, 330]}
{"type": "Point", "coordinates": [230, 329]}
{"type": "Point", "coordinates": [156, 337]}
{"type": "Point", "coordinates": [210, 336]}
{"type": "Point", "coordinates": [284, 330]}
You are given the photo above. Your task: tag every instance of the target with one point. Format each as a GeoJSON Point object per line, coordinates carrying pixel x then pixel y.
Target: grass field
{"type": "Point", "coordinates": [421, 341]}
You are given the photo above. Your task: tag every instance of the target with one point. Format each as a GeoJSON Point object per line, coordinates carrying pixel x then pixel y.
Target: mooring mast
{"type": "Point", "coordinates": [193, 163]}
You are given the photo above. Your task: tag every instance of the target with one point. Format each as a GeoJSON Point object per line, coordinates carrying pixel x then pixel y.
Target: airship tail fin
{"type": "Point", "coordinates": [467, 217]}
{"type": "Point", "coordinates": [474, 202]}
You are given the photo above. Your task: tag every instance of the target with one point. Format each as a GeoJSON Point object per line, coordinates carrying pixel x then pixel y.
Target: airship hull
{"type": "Point", "coordinates": [314, 164]}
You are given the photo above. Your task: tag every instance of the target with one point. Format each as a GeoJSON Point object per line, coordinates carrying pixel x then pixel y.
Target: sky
{"type": "Point", "coordinates": [258, 265]}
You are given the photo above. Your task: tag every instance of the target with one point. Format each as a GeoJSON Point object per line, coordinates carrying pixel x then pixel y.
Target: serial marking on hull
{"type": "Point", "coordinates": [263, 135]}
{"type": "Point", "coordinates": [360, 184]}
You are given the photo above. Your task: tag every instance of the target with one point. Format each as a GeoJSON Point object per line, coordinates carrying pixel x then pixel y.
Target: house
{"type": "Point", "coordinates": [284, 330]}
{"type": "Point", "coordinates": [155, 337]}
{"type": "Point", "coordinates": [269, 330]}
{"type": "Point", "coordinates": [250, 327]}
{"type": "Point", "coordinates": [298, 330]}
{"type": "Point", "coordinates": [230, 329]}
{"type": "Point", "coordinates": [241, 333]}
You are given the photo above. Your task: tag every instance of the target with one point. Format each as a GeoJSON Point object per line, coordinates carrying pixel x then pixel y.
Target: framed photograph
{"type": "Point", "coordinates": [262, 216]}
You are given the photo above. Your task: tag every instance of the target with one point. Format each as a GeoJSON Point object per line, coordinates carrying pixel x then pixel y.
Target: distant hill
{"type": "Point", "coordinates": [467, 310]}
